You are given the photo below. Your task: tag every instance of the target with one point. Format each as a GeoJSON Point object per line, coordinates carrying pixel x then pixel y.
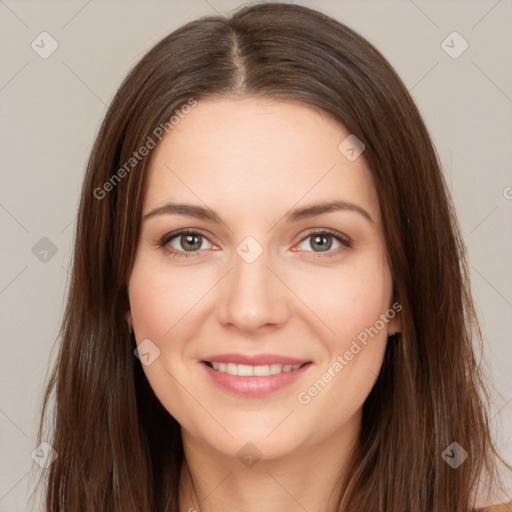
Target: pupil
{"type": "Point", "coordinates": [190, 242]}
{"type": "Point", "coordinates": [324, 242]}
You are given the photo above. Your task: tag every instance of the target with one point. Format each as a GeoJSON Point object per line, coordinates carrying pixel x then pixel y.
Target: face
{"type": "Point", "coordinates": [249, 301]}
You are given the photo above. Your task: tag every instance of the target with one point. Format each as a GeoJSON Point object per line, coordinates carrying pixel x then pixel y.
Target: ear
{"type": "Point", "coordinates": [395, 318]}
{"type": "Point", "coordinates": [129, 320]}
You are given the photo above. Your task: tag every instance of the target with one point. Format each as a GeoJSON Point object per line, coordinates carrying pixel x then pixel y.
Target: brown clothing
{"type": "Point", "coordinates": [504, 507]}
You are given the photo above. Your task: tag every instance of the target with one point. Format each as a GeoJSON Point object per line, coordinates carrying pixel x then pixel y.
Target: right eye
{"type": "Point", "coordinates": [183, 243]}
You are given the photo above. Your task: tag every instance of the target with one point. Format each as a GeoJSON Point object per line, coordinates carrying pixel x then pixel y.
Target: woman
{"type": "Point", "coordinates": [269, 306]}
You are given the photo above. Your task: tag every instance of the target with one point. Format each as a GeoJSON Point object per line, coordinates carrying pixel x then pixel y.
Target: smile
{"type": "Point", "coordinates": [253, 380]}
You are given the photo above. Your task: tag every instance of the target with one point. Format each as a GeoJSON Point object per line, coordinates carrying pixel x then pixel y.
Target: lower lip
{"type": "Point", "coordinates": [254, 386]}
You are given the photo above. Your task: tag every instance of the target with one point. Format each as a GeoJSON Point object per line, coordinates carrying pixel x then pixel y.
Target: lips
{"type": "Point", "coordinates": [254, 380]}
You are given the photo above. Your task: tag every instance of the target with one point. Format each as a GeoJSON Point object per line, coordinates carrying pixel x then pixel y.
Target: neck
{"type": "Point", "coordinates": [310, 478]}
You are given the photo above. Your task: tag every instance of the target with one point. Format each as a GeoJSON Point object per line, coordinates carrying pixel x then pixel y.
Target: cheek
{"type": "Point", "coordinates": [160, 298]}
{"type": "Point", "coordinates": [160, 301]}
{"type": "Point", "coordinates": [347, 300]}
{"type": "Point", "coordinates": [351, 304]}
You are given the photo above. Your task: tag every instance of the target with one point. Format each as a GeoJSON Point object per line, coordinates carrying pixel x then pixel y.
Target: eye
{"type": "Point", "coordinates": [184, 243]}
{"type": "Point", "coordinates": [321, 242]}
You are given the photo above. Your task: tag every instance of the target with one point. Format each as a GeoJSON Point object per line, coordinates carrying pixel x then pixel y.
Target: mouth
{"type": "Point", "coordinates": [247, 370]}
{"type": "Point", "coordinates": [254, 376]}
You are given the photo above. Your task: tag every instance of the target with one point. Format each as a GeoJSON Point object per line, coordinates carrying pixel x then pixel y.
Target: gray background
{"type": "Point", "coordinates": [51, 109]}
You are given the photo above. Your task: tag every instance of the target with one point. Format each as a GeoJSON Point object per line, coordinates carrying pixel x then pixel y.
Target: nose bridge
{"type": "Point", "coordinates": [253, 296]}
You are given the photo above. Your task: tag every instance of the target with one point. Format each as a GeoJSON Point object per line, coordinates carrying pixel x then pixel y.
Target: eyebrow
{"type": "Point", "coordinates": [305, 212]}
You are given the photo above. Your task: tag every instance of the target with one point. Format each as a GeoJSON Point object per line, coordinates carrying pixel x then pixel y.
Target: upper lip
{"type": "Point", "coordinates": [254, 360]}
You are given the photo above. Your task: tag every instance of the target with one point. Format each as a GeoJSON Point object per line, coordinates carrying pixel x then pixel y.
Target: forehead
{"type": "Point", "coordinates": [249, 154]}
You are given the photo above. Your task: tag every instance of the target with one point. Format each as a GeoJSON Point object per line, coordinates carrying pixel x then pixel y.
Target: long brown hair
{"type": "Point", "coordinates": [118, 448]}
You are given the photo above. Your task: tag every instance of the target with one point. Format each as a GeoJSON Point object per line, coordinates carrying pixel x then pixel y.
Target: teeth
{"type": "Point", "coordinates": [245, 370]}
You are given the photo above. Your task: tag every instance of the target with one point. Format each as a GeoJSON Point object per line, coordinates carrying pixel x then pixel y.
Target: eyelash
{"type": "Point", "coordinates": [344, 241]}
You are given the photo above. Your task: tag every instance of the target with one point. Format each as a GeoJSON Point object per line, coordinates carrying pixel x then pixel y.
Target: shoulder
{"type": "Point", "coordinates": [504, 507]}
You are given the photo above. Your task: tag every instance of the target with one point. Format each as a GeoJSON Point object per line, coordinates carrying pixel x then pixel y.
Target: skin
{"type": "Point", "coordinates": [252, 160]}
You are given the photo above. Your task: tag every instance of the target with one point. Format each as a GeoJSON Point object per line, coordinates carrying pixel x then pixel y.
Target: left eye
{"type": "Point", "coordinates": [323, 242]}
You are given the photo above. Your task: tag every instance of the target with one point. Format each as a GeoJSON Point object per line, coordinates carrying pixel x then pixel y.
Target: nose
{"type": "Point", "coordinates": [252, 297]}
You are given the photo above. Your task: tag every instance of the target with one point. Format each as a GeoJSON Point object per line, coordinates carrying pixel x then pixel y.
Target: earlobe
{"type": "Point", "coordinates": [394, 327]}
{"type": "Point", "coordinates": [395, 320]}
{"type": "Point", "coordinates": [128, 318]}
